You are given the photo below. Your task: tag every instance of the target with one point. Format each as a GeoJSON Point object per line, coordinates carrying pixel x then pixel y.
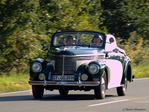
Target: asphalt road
{"type": "Point", "coordinates": [136, 100]}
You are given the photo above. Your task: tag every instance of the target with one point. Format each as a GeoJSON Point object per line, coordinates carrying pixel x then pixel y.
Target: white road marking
{"type": "Point", "coordinates": [15, 92]}
{"type": "Point", "coordinates": [108, 102]}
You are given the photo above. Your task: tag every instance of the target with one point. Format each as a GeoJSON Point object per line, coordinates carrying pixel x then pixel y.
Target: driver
{"type": "Point", "coordinates": [70, 39]}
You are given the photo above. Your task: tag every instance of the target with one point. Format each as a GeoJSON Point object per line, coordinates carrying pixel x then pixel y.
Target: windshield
{"type": "Point", "coordinates": [78, 38]}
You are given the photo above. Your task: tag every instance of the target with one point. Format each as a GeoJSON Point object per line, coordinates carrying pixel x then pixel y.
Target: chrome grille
{"type": "Point", "coordinates": [69, 65]}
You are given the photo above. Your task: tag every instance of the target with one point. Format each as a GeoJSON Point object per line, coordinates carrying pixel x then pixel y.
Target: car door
{"type": "Point", "coordinates": [114, 62]}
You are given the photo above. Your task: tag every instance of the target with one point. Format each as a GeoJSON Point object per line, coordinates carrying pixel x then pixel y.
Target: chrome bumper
{"type": "Point", "coordinates": [64, 83]}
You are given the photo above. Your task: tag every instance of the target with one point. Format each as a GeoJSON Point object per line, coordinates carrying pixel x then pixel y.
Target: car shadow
{"type": "Point", "coordinates": [72, 97]}
{"type": "Point", "coordinates": [52, 97]}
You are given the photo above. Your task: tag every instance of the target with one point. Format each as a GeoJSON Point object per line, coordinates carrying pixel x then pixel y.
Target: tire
{"type": "Point", "coordinates": [63, 92]}
{"type": "Point", "coordinates": [37, 91]}
{"type": "Point", "coordinates": [121, 91]}
{"type": "Point", "coordinates": [100, 90]}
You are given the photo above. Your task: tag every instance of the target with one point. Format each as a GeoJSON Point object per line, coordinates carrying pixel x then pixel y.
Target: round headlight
{"type": "Point", "coordinates": [93, 68]}
{"type": "Point", "coordinates": [36, 67]}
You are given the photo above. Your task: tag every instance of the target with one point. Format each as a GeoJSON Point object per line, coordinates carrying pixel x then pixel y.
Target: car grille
{"type": "Point", "coordinates": [69, 65]}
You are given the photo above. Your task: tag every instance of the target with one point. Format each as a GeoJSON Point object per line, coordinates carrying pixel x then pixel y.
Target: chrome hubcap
{"type": "Point", "coordinates": [103, 85]}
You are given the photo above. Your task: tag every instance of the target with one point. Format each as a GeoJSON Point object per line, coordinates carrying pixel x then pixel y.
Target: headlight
{"type": "Point", "coordinates": [93, 68]}
{"type": "Point", "coordinates": [36, 67]}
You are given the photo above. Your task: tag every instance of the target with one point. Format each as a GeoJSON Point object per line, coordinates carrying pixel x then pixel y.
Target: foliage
{"type": "Point", "coordinates": [24, 47]}
{"type": "Point", "coordinates": [121, 17]}
{"type": "Point", "coordinates": [71, 14]}
{"type": "Point", "coordinates": [19, 40]}
{"type": "Point", "coordinates": [26, 25]}
{"type": "Point", "coordinates": [136, 48]}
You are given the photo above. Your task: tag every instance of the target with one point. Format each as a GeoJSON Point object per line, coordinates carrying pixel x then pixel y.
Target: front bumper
{"type": "Point", "coordinates": [65, 83]}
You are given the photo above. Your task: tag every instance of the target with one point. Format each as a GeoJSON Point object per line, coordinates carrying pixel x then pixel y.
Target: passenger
{"type": "Point", "coordinates": [97, 40]}
{"type": "Point", "coordinates": [70, 40]}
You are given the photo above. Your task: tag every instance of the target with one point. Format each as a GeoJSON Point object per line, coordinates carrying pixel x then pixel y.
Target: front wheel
{"type": "Point", "coordinates": [100, 90]}
{"type": "Point", "coordinates": [37, 91]}
{"type": "Point", "coordinates": [121, 91]}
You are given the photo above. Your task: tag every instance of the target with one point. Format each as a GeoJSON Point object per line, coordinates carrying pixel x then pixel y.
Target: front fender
{"type": "Point", "coordinates": [42, 62]}
{"type": "Point", "coordinates": [127, 71]}
{"type": "Point", "coordinates": [81, 68]}
{"type": "Point", "coordinates": [84, 69]}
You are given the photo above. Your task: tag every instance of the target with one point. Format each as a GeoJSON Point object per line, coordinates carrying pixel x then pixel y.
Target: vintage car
{"type": "Point", "coordinates": [81, 65]}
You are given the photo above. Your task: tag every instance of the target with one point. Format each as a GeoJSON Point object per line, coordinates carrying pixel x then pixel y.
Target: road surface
{"type": "Point", "coordinates": [136, 100]}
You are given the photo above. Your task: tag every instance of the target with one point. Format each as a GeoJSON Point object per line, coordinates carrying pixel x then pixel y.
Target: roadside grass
{"type": "Point", "coordinates": [141, 71]}
{"type": "Point", "coordinates": [14, 83]}
{"type": "Point", "coordinates": [20, 82]}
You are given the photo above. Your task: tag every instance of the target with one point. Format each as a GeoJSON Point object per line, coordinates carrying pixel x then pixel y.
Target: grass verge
{"type": "Point", "coordinates": [141, 71]}
{"type": "Point", "coordinates": [14, 83]}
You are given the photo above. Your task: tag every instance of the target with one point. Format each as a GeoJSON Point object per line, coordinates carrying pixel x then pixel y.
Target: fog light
{"type": "Point", "coordinates": [84, 77]}
{"type": "Point", "coordinates": [41, 76]}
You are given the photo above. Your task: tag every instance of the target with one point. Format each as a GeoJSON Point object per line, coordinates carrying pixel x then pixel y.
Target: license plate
{"type": "Point", "coordinates": [65, 77]}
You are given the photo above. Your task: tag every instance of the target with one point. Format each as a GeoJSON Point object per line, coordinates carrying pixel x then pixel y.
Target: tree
{"type": "Point", "coordinates": [20, 33]}
{"type": "Point", "coordinates": [71, 14]}
{"type": "Point", "coordinates": [123, 17]}
{"type": "Point", "coordinates": [26, 24]}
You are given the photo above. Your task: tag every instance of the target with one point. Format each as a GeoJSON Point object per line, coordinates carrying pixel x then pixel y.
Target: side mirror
{"type": "Point", "coordinates": [111, 40]}
{"type": "Point", "coordinates": [116, 50]}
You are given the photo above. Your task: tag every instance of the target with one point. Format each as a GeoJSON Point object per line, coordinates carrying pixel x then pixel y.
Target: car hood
{"type": "Point", "coordinates": [73, 50]}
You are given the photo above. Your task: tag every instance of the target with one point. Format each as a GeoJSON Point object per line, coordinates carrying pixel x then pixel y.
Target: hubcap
{"type": "Point", "coordinates": [103, 85]}
{"type": "Point", "coordinates": [125, 85]}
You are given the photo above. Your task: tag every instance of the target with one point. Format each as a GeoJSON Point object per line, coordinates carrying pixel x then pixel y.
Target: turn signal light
{"type": "Point", "coordinates": [96, 79]}
{"type": "Point", "coordinates": [31, 78]}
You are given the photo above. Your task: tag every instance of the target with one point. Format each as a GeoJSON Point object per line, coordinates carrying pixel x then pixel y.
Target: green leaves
{"type": "Point", "coordinates": [26, 25]}
{"type": "Point", "coordinates": [124, 17]}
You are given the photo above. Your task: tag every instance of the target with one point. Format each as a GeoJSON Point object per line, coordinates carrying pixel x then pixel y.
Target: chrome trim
{"type": "Point", "coordinates": [63, 66]}
{"type": "Point", "coordinates": [79, 79]}
{"type": "Point", "coordinates": [39, 59]}
{"type": "Point", "coordinates": [86, 55]}
{"type": "Point", "coordinates": [65, 83]}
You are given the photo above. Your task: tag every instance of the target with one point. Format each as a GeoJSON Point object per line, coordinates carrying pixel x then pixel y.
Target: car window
{"type": "Point", "coordinates": [85, 39]}
{"type": "Point", "coordinates": [61, 39]}
{"type": "Point", "coordinates": [74, 38]}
